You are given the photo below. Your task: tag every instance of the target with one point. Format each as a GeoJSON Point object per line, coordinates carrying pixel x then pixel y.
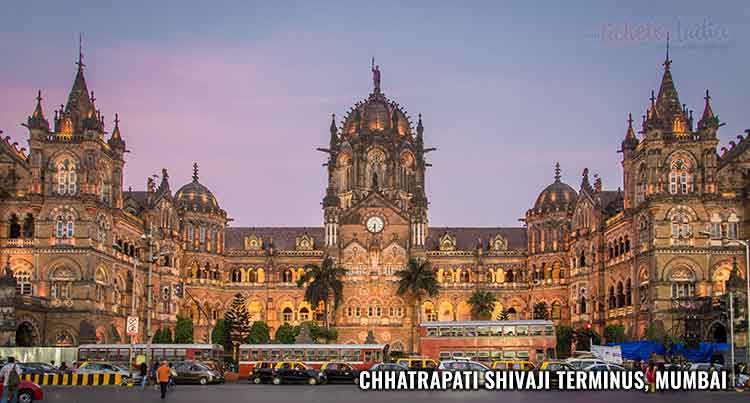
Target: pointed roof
{"type": "Point", "coordinates": [37, 119]}
{"type": "Point", "coordinates": [630, 141]}
{"type": "Point", "coordinates": [116, 131]}
{"type": "Point", "coordinates": [709, 119]}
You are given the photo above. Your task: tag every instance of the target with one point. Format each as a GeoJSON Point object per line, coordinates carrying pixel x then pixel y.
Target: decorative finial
{"type": "Point", "coordinates": [557, 171]}
{"type": "Point", "coordinates": [630, 120]}
{"type": "Point", "coordinates": [195, 171]}
{"type": "Point", "coordinates": [93, 98]}
{"type": "Point", "coordinates": [375, 76]}
{"type": "Point", "coordinates": [117, 120]}
{"type": "Point", "coordinates": [653, 98]}
{"type": "Point", "coordinates": [667, 62]}
{"type": "Point", "coordinates": [707, 97]}
{"type": "Point", "coordinates": [80, 52]}
{"type": "Point", "coordinates": [39, 96]}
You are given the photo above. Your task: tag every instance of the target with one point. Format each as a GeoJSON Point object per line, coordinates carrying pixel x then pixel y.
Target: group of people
{"type": "Point", "coordinates": [161, 373]}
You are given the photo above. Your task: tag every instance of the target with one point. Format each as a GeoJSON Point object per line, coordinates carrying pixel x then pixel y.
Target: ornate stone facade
{"type": "Point", "coordinates": [74, 237]}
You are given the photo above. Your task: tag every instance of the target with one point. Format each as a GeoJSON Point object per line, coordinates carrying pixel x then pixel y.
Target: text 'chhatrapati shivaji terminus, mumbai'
{"type": "Point", "coordinates": [648, 253]}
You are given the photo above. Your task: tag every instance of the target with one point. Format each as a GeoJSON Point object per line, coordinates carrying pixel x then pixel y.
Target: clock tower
{"type": "Point", "coordinates": [375, 207]}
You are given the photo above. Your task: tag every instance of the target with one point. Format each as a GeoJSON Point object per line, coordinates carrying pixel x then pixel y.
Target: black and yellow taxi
{"type": "Point", "coordinates": [418, 363]}
{"type": "Point", "coordinates": [516, 365]}
{"type": "Point", "coordinates": [339, 372]}
{"type": "Point", "coordinates": [262, 372]}
{"type": "Point", "coordinates": [296, 372]}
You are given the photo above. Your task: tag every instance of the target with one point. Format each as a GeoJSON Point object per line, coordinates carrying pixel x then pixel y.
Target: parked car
{"type": "Point", "coordinates": [705, 366]}
{"type": "Point", "coordinates": [262, 372]}
{"type": "Point", "coordinates": [40, 368]}
{"type": "Point", "coordinates": [418, 364]}
{"type": "Point", "coordinates": [102, 368]}
{"type": "Point", "coordinates": [338, 372]}
{"type": "Point", "coordinates": [27, 392]}
{"type": "Point", "coordinates": [388, 367]}
{"type": "Point", "coordinates": [580, 363]}
{"type": "Point", "coordinates": [514, 365]}
{"type": "Point", "coordinates": [196, 372]}
{"type": "Point", "coordinates": [604, 367]}
{"type": "Point", "coordinates": [555, 366]}
{"type": "Point", "coordinates": [296, 371]}
{"type": "Point", "coordinates": [464, 365]}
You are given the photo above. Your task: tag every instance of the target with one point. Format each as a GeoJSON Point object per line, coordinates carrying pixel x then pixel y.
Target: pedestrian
{"type": "Point", "coordinates": [52, 362]}
{"type": "Point", "coordinates": [63, 368]}
{"type": "Point", "coordinates": [11, 375]}
{"type": "Point", "coordinates": [172, 376]}
{"type": "Point", "coordinates": [144, 375]}
{"type": "Point", "coordinates": [651, 377]}
{"type": "Point", "coordinates": [153, 373]}
{"type": "Point", "coordinates": [162, 375]}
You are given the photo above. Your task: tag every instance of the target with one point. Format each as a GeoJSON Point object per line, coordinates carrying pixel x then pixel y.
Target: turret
{"type": "Point", "coordinates": [37, 121]}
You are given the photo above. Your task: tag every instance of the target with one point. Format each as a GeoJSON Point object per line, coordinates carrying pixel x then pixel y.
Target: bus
{"type": "Point", "coordinates": [120, 353]}
{"type": "Point", "coordinates": [528, 340]}
{"type": "Point", "coordinates": [360, 356]}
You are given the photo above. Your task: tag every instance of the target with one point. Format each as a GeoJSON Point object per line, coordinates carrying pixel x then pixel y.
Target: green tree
{"type": "Point", "coordinates": [259, 333]}
{"type": "Point", "coordinates": [482, 304]}
{"type": "Point", "coordinates": [503, 315]}
{"type": "Point", "coordinates": [584, 337]}
{"type": "Point", "coordinates": [286, 333]}
{"type": "Point", "coordinates": [183, 331]}
{"type": "Point", "coordinates": [166, 336]}
{"type": "Point", "coordinates": [564, 340]}
{"type": "Point", "coordinates": [614, 333]}
{"type": "Point", "coordinates": [323, 285]}
{"type": "Point", "coordinates": [220, 335]}
{"type": "Point", "coordinates": [541, 311]}
{"type": "Point", "coordinates": [414, 281]}
{"type": "Point", "coordinates": [237, 320]}
{"type": "Point", "coordinates": [156, 338]}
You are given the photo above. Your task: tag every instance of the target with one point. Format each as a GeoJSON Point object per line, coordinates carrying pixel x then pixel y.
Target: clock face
{"type": "Point", "coordinates": [375, 224]}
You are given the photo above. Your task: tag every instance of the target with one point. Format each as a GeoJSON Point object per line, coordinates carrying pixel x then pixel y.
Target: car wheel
{"type": "Point", "coordinates": [276, 380]}
{"type": "Point", "coordinates": [25, 396]}
{"type": "Point", "coordinates": [256, 380]}
{"type": "Point", "coordinates": [312, 381]}
{"type": "Point", "coordinates": [203, 381]}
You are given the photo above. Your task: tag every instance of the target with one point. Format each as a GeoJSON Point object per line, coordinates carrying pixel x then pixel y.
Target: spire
{"type": "Point", "coordinates": [630, 140]}
{"type": "Point", "coordinates": [420, 127]}
{"type": "Point", "coordinates": [668, 102]}
{"type": "Point", "coordinates": [667, 61]}
{"type": "Point", "coordinates": [79, 103]}
{"type": "Point", "coordinates": [116, 131]}
{"type": "Point", "coordinates": [557, 171]}
{"type": "Point", "coordinates": [37, 119]}
{"type": "Point", "coordinates": [195, 172]}
{"type": "Point", "coordinates": [585, 185]}
{"type": "Point", "coordinates": [708, 119]}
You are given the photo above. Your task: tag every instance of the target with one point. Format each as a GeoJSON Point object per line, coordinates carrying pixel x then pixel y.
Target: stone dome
{"type": "Point", "coordinates": [557, 196]}
{"type": "Point", "coordinates": [376, 113]}
{"type": "Point", "coordinates": [195, 196]}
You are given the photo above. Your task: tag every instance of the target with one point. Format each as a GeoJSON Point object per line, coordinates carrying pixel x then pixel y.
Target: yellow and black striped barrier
{"type": "Point", "coordinates": [74, 379]}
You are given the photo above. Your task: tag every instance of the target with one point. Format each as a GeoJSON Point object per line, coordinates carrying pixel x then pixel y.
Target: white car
{"type": "Point", "coordinates": [705, 366]}
{"type": "Point", "coordinates": [102, 368]}
{"type": "Point", "coordinates": [604, 367]}
{"type": "Point", "coordinates": [464, 365]}
{"type": "Point", "coordinates": [580, 363]}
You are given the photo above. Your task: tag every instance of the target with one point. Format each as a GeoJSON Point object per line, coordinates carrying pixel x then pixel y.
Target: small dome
{"type": "Point", "coordinates": [195, 196]}
{"type": "Point", "coordinates": [558, 195]}
{"type": "Point", "coordinates": [376, 113]}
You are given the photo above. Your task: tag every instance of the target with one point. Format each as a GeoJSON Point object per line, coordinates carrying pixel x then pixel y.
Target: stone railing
{"type": "Point", "coordinates": [17, 242]}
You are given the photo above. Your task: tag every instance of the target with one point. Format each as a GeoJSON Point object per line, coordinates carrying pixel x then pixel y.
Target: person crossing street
{"type": "Point", "coordinates": [162, 376]}
{"type": "Point", "coordinates": [11, 375]}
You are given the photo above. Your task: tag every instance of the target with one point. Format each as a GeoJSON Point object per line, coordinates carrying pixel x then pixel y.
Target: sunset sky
{"type": "Point", "coordinates": [246, 89]}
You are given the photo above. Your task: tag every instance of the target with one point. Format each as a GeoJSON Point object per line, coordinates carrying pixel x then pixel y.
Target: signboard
{"type": "Point", "coordinates": [611, 354]}
{"type": "Point", "coordinates": [131, 327]}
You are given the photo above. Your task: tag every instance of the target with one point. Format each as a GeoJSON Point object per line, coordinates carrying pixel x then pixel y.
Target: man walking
{"type": "Point", "coordinates": [11, 376]}
{"type": "Point", "coordinates": [162, 375]}
{"type": "Point", "coordinates": [144, 375]}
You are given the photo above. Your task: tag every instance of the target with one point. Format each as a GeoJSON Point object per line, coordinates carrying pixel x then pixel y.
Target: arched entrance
{"type": "Point", "coordinates": [26, 335]}
{"type": "Point", "coordinates": [717, 333]}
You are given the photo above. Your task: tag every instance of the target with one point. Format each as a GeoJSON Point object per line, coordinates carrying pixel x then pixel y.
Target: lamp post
{"type": "Point", "coordinates": [148, 238]}
{"type": "Point", "coordinates": [117, 247]}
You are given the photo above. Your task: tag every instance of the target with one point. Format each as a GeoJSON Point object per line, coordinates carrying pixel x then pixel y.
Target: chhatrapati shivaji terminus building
{"type": "Point", "coordinates": [644, 251]}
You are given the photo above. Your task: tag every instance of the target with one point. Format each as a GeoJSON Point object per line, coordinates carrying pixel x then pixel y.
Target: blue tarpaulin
{"type": "Point", "coordinates": [641, 350]}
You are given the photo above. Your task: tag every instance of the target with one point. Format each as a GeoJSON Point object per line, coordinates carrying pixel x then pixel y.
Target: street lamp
{"type": "Point", "coordinates": [150, 260]}
{"type": "Point", "coordinates": [117, 247]}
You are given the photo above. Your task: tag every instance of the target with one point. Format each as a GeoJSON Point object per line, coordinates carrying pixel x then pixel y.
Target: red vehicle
{"type": "Point", "coordinates": [529, 340]}
{"type": "Point", "coordinates": [27, 392]}
{"type": "Point", "coordinates": [360, 356]}
{"type": "Point", "coordinates": [119, 353]}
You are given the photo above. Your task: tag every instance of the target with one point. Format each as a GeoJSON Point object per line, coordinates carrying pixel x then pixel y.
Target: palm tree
{"type": "Point", "coordinates": [415, 280]}
{"type": "Point", "coordinates": [323, 284]}
{"type": "Point", "coordinates": [482, 304]}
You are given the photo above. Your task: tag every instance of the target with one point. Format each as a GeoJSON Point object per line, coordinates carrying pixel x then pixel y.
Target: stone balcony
{"type": "Point", "coordinates": [17, 243]}
{"type": "Point", "coordinates": [619, 312]}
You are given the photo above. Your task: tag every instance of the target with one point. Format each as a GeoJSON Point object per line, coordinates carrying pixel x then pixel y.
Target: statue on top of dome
{"type": "Point", "coordinates": [375, 76]}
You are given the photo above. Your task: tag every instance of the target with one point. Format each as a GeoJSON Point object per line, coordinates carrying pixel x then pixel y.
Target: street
{"type": "Point", "coordinates": [244, 392]}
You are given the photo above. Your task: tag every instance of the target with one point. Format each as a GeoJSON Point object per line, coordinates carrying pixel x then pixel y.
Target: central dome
{"type": "Point", "coordinates": [557, 196]}
{"type": "Point", "coordinates": [195, 196]}
{"type": "Point", "coordinates": [376, 114]}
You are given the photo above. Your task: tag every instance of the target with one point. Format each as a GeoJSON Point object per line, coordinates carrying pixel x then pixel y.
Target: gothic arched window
{"type": "Point", "coordinates": [680, 178]}
{"type": "Point", "coordinates": [64, 226]}
{"type": "Point", "coordinates": [66, 177]}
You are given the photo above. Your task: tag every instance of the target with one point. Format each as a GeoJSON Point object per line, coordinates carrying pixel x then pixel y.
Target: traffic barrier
{"type": "Point", "coordinates": [74, 379]}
